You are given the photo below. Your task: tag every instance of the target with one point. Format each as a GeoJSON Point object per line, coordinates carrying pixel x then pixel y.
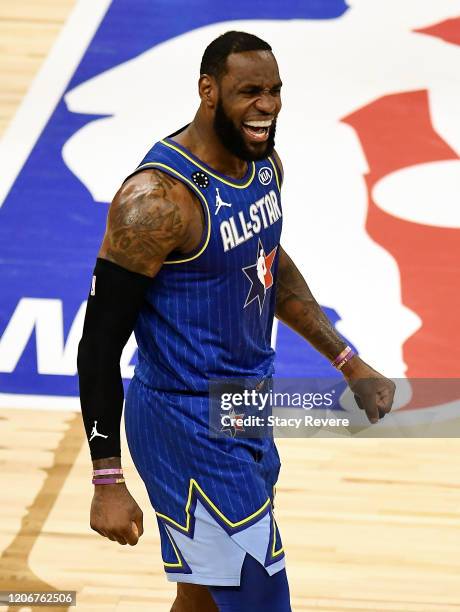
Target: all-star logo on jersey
{"type": "Point", "coordinates": [230, 423]}
{"type": "Point", "coordinates": [260, 275]}
{"type": "Point", "coordinates": [237, 229]}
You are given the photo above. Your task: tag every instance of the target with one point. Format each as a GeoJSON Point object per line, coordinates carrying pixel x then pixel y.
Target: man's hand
{"type": "Point", "coordinates": [116, 515]}
{"type": "Point", "coordinates": [373, 392]}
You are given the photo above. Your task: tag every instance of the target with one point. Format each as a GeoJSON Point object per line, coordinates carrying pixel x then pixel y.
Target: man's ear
{"type": "Point", "coordinates": [207, 88]}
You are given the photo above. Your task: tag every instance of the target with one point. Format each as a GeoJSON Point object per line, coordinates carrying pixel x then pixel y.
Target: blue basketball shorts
{"type": "Point", "coordinates": [213, 497]}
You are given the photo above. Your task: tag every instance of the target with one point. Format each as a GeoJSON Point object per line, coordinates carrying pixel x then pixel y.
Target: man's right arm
{"type": "Point", "coordinates": [150, 216]}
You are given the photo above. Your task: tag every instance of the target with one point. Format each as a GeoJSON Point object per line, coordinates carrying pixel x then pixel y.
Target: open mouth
{"type": "Point", "coordinates": [257, 131]}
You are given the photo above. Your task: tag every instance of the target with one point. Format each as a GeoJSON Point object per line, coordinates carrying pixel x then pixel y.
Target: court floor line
{"type": "Point", "coordinates": [15, 571]}
{"type": "Point", "coordinates": [47, 89]}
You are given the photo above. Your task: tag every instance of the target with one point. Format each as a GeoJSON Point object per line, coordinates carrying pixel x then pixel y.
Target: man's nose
{"type": "Point", "coordinates": [267, 102]}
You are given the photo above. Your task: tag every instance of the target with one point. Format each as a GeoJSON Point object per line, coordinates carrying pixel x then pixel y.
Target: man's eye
{"type": "Point", "coordinates": [255, 91]}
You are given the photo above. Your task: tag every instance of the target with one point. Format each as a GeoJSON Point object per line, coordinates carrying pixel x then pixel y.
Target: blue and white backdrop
{"type": "Point", "coordinates": [370, 139]}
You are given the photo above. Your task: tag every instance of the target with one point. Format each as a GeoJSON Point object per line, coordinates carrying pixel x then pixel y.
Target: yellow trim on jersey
{"type": "Point", "coordinates": [276, 173]}
{"type": "Point", "coordinates": [185, 528]}
{"type": "Point", "coordinates": [216, 176]}
{"type": "Point", "coordinates": [174, 171]}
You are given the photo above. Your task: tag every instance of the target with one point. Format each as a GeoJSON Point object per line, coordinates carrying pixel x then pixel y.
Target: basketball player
{"type": "Point", "coordinates": [191, 260]}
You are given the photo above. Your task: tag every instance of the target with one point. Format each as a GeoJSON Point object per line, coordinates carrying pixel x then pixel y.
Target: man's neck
{"type": "Point", "coordinates": [201, 139]}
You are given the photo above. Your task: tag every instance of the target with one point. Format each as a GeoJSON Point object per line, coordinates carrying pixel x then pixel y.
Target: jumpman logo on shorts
{"type": "Point", "coordinates": [95, 433]}
{"type": "Point", "coordinates": [219, 201]}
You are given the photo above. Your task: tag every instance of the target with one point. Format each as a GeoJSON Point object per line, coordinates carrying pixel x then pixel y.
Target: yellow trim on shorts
{"type": "Point", "coordinates": [185, 528]}
{"type": "Point", "coordinates": [275, 553]}
{"type": "Point", "coordinates": [184, 178]}
{"type": "Point", "coordinates": [176, 552]}
{"type": "Point", "coordinates": [216, 176]}
{"type": "Point", "coordinates": [276, 173]}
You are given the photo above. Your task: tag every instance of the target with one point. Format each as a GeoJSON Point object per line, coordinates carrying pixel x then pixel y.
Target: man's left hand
{"type": "Point", "coordinates": [374, 393]}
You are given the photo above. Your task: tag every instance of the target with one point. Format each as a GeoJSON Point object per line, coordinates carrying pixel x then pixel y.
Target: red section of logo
{"type": "Point", "coordinates": [268, 277]}
{"type": "Point", "coordinates": [448, 30]}
{"type": "Point", "coordinates": [396, 132]}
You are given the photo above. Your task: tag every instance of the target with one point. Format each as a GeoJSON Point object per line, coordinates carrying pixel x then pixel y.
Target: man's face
{"type": "Point", "coordinates": [248, 104]}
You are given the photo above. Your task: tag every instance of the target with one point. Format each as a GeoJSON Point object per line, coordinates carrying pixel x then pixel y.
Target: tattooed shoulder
{"type": "Point", "coordinates": [148, 218]}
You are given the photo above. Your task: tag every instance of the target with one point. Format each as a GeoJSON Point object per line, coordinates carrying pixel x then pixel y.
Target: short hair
{"type": "Point", "coordinates": [214, 60]}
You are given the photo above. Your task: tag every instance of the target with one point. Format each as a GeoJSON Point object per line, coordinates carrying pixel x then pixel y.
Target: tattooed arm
{"type": "Point", "coordinates": [150, 216]}
{"type": "Point", "coordinates": [297, 308]}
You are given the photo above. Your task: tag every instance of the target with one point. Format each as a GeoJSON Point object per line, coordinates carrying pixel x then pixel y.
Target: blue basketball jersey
{"type": "Point", "coordinates": [209, 314]}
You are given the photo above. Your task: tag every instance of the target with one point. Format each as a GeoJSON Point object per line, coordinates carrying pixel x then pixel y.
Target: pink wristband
{"type": "Point", "coordinates": [107, 481]}
{"type": "Point", "coordinates": [343, 357]}
{"type": "Point", "coordinates": [107, 471]}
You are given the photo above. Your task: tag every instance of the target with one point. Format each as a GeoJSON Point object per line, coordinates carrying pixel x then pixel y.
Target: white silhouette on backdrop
{"type": "Point", "coordinates": [330, 68]}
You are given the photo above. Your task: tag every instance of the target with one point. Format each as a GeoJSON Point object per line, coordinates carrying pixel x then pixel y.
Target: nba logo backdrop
{"type": "Point", "coordinates": [370, 139]}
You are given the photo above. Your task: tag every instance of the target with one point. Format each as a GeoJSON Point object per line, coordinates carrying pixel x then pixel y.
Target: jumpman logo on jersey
{"type": "Point", "coordinates": [95, 433]}
{"type": "Point", "coordinates": [219, 202]}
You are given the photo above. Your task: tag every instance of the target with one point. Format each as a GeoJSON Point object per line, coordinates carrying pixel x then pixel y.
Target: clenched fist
{"type": "Point", "coordinates": [116, 515]}
{"type": "Point", "coordinates": [373, 392]}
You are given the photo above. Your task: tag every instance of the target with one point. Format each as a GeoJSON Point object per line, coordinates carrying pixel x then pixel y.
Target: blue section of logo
{"type": "Point", "coordinates": [50, 226]}
{"type": "Point", "coordinates": [133, 26]}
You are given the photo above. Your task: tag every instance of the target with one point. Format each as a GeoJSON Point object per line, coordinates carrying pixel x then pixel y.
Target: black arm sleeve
{"type": "Point", "coordinates": [114, 303]}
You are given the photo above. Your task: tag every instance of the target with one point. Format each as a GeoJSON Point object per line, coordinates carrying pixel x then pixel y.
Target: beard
{"type": "Point", "coordinates": [233, 140]}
